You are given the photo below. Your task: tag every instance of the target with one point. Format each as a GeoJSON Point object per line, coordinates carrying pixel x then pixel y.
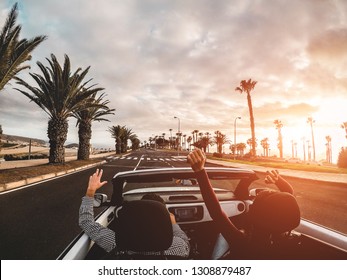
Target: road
{"type": "Point", "coordinates": [38, 222]}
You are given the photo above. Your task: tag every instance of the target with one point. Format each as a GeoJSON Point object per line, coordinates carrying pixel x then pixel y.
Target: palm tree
{"type": "Point", "coordinates": [328, 151]}
{"type": "Point", "coordinates": [220, 139]}
{"type": "Point", "coordinates": [240, 147]}
{"type": "Point", "coordinates": [195, 138]}
{"type": "Point", "coordinates": [310, 121]}
{"type": "Point", "coordinates": [265, 144]}
{"type": "Point", "coordinates": [279, 126]}
{"type": "Point", "coordinates": [135, 142]}
{"type": "Point", "coordinates": [248, 86]}
{"type": "Point", "coordinates": [189, 140]}
{"type": "Point", "coordinates": [60, 94]}
{"type": "Point", "coordinates": [150, 139]}
{"type": "Point", "coordinates": [250, 144]}
{"type": "Point", "coordinates": [209, 141]}
{"type": "Point", "coordinates": [116, 133]}
{"type": "Point", "coordinates": [13, 51]}
{"type": "Point", "coordinates": [84, 123]}
{"type": "Point", "coordinates": [125, 136]}
{"type": "Point", "coordinates": [205, 142]}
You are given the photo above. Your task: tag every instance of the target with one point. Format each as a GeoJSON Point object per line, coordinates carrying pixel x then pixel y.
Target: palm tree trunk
{"type": "Point", "coordinates": [57, 134]}
{"type": "Point", "coordinates": [249, 100]}
{"type": "Point", "coordinates": [123, 146]}
{"type": "Point", "coordinates": [280, 143]}
{"type": "Point", "coordinates": [118, 145]}
{"type": "Point", "coordinates": [84, 136]}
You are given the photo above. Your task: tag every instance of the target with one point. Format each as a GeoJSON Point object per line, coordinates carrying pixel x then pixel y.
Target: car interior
{"type": "Point", "coordinates": [145, 225]}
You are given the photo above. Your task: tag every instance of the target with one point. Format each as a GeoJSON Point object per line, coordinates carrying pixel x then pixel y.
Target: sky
{"type": "Point", "coordinates": [161, 59]}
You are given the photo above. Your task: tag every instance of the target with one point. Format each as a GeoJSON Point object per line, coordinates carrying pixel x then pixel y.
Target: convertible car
{"type": "Point", "coordinates": [180, 191]}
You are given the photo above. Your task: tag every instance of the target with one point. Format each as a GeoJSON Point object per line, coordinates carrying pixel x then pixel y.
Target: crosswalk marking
{"type": "Point", "coordinates": [147, 158]}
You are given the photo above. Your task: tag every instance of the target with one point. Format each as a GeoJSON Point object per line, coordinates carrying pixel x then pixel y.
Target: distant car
{"type": "Point", "coordinates": [178, 187]}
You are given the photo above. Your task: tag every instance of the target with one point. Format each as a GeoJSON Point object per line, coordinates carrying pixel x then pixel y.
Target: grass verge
{"type": "Point", "coordinates": [22, 173]}
{"type": "Point", "coordinates": [286, 165]}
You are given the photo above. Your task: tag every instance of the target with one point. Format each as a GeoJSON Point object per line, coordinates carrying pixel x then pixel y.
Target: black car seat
{"type": "Point", "coordinates": [143, 230]}
{"type": "Point", "coordinates": [274, 212]}
{"type": "Point", "coordinates": [274, 215]}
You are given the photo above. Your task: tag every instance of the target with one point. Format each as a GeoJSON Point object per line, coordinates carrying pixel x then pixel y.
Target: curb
{"type": "Point", "coordinates": [338, 182]}
{"type": "Point", "coordinates": [32, 180]}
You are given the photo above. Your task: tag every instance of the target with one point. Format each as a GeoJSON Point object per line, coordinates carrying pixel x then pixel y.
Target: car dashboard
{"type": "Point", "coordinates": [188, 205]}
{"type": "Point", "coordinates": [193, 217]}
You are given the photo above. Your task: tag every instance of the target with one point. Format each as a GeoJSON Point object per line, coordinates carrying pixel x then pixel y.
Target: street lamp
{"type": "Point", "coordinates": [170, 138]}
{"type": "Point", "coordinates": [179, 124]}
{"type": "Point", "coordinates": [235, 136]}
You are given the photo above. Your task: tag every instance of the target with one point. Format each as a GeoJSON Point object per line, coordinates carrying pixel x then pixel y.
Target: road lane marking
{"type": "Point", "coordinates": [137, 165]}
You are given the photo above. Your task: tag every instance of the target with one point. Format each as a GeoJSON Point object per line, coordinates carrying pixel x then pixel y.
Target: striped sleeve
{"type": "Point", "coordinates": [180, 244]}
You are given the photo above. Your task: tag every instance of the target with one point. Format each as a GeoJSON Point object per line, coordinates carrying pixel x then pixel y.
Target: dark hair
{"type": "Point", "coordinates": [274, 212]}
{"type": "Point", "coordinates": [153, 196]}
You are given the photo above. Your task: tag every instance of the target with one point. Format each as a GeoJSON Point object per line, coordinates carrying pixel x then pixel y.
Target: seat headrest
{"type": "Point", "coordinates": [143, 225]}
{"type": "Point", "coordinates": [275, 212]}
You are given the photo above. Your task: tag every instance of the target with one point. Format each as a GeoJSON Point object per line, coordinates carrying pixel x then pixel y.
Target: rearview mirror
{"type": "Point", "coordinates": [256, 191]}
{"type": "Point", "coordinates": [99, 199]}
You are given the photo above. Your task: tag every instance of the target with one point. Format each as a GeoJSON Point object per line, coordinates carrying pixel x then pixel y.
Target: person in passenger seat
{"type": "Point", "coordinates": [272, 213]}
{"type": "Point", "coordinates": [105, 237]}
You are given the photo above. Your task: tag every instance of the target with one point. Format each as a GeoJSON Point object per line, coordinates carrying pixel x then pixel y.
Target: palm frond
{"type": "Point", "coordinates": [14, 52]}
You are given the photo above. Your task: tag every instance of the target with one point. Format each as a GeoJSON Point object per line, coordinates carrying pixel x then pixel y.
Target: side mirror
{"type": "Point", "coordinates": [99, 199]}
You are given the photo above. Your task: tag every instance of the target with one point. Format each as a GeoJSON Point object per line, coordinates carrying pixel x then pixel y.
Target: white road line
{"type": "Point", "coordinates": [137, 165]}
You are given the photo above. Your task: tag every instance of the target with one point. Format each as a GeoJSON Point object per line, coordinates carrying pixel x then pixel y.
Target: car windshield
{"type": "Point", "coordinates": [229, 184]}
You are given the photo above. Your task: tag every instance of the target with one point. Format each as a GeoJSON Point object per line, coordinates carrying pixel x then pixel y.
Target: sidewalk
{"type": "Point", "coordinates": [318, 176]}
{"type": "Point", "coordinates": [34, 162]}
{"type": "Point", "coordinates": [31, 180]}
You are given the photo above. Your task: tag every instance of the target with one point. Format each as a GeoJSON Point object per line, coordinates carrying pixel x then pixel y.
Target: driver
{"type": "Point", "coordinates": [105, 237]}
{"type": "Point", "coordinates": [272, 212]}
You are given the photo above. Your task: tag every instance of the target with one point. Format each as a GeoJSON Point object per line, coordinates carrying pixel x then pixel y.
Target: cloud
{"type": "Point", "coordinates": [289, 114]}
{"type": "Point", "coordinates": [160, 59]}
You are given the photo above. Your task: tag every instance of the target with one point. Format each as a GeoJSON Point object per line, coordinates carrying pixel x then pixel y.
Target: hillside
{"type": "Point", "coordinates": [21, 139]}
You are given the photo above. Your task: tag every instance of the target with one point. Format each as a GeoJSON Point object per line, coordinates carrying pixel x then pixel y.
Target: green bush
{"type": "Point", "coordinates": [7, 145]}
{"type": "Point", "coordinates": [342, 159]}
{"type": "Point", "coordinates": [24, 157]}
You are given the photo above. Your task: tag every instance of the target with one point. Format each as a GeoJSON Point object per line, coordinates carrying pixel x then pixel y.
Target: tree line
{"type": "Point", "coordinates": [60, 92]}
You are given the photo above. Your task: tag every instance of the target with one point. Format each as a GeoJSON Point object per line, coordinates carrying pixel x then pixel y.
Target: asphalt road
{"type": "Point", "coordinates": [38, 222]}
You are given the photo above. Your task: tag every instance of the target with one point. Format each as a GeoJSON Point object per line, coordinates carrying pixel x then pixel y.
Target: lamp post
{"type": "Point", "coordinates": [170, 138]}
{"type": "Point", "coordinates": [235, 136]}
{"type": "Point", "coordinates": [310, 121]}
{"type": "Point", "coordinates": [303, 147]}
{"type": "Point", "coordinates": [179, 130]}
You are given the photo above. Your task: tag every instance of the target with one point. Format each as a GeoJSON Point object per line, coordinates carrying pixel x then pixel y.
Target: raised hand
{"type": "Point", "coordinates": [94, 183]}
{"type": "Point", "coordinates": [272, 177]}
{"type": "Point", "coordinates": [196, 159]}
